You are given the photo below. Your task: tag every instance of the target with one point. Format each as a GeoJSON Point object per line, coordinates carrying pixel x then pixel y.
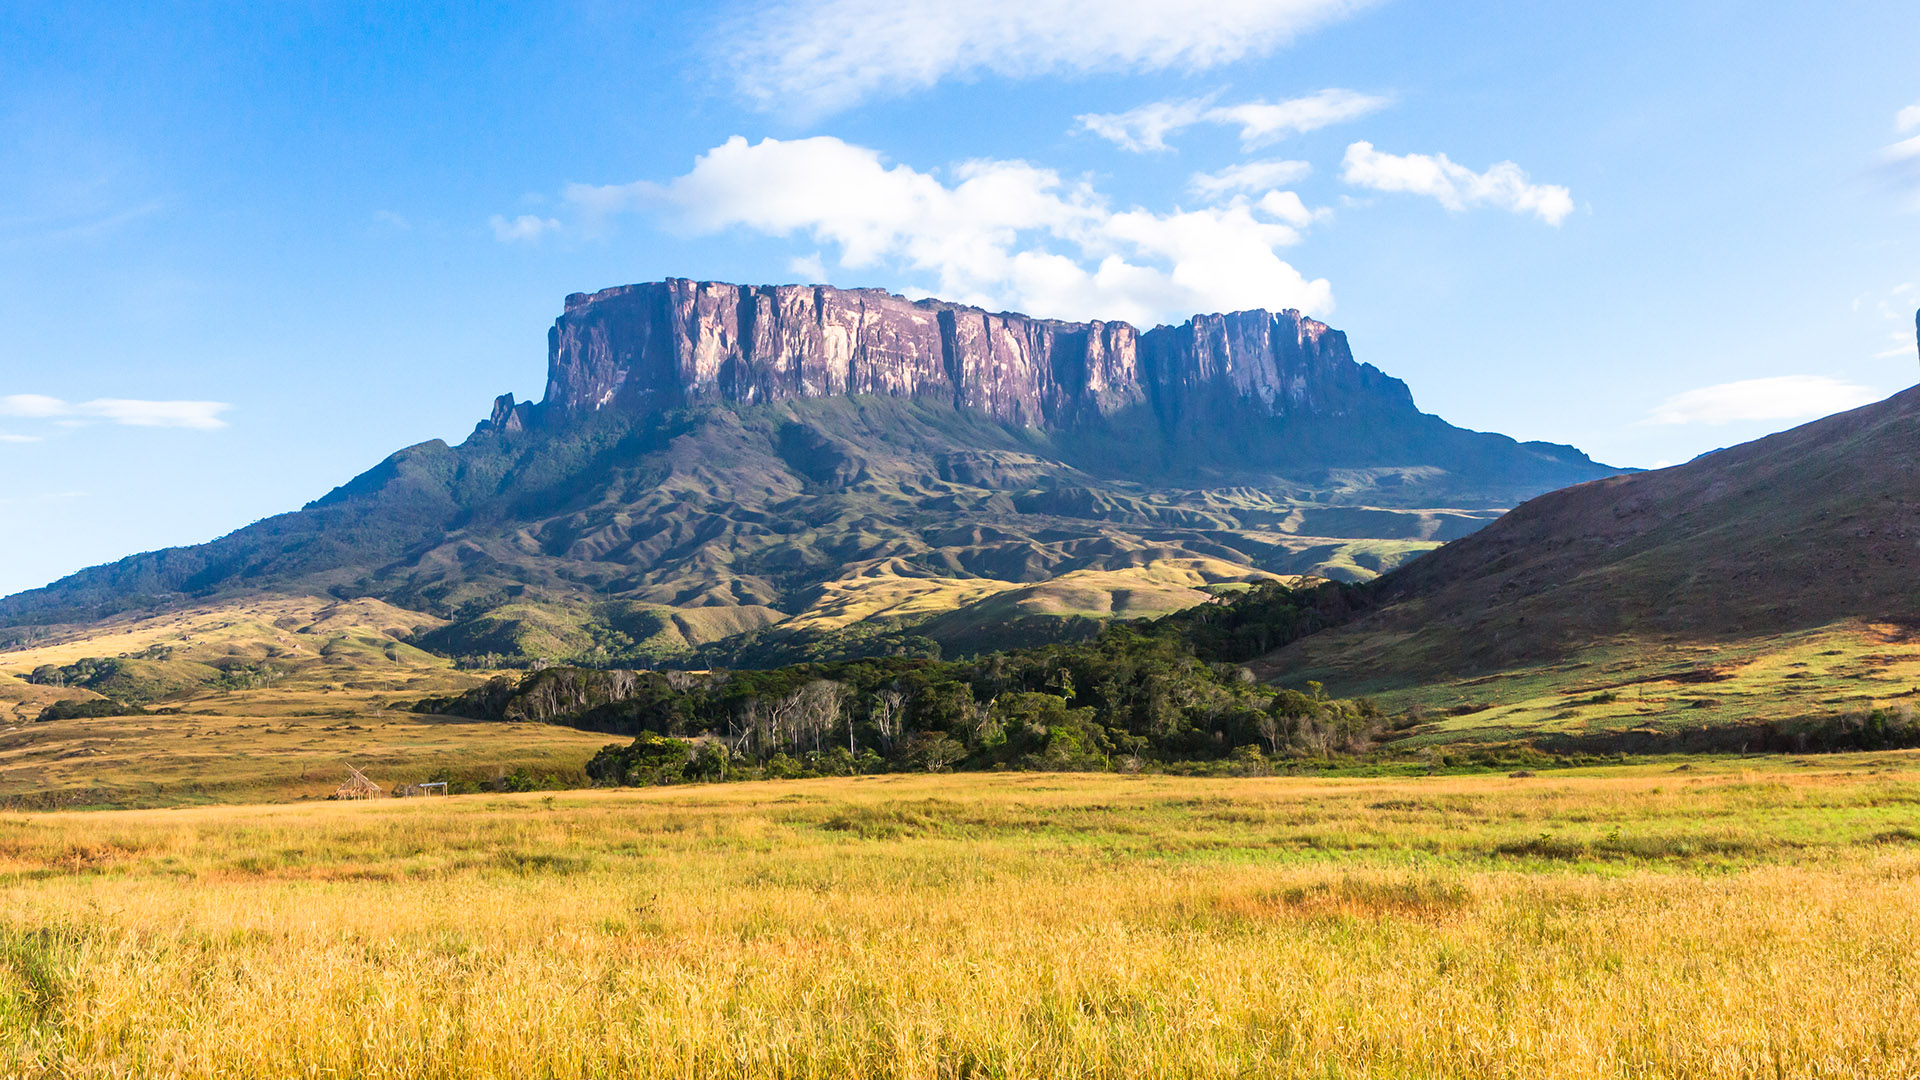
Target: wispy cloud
{"type": "Point", "coordinates": [131, 412]}
{"type": "Point", "coordinates": [1894, 309]}
{"type": "Point", "coordinates": [1261, 123]}
{"type": "Point", "coordinates": [1781, 397]}
{"type": "Point", "coordinates": [524, 229]}
{"type": "Point", "coordinates": [8, 437]}
{"type": "Point", "coordinates": [1252, 176]}
{"type": "Point", "coordinates": [1901, 160]}
{"type": "Point", "coordinates": [811, 58]}
{"type": "Point", "coordinates": [1002, 234]}
{"type": "Point", "coordinates": [1455, 186]}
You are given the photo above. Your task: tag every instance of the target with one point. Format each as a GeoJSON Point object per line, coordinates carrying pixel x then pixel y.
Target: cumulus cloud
{"type": "Point", "coordinates": [1261, 123]}
{"type": "Point", "coordinates": [810, 57]}
{"type": "Point", "coordinates": [1001, 234]}
{"type": "Point", "coordinates": [525, 229]}
{"type": "Point", "coordinates": [131, 412]}
{"type": "Point", "coordinates": [1781, 397]}
{"type": "Point", "coordinates": [1251, 176]}
{"type": "Point", "coordinates": [1455, 186]}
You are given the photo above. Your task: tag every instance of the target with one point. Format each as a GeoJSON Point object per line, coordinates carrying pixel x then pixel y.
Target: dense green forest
{"type": "Point", "coordinates": [1137, 694]}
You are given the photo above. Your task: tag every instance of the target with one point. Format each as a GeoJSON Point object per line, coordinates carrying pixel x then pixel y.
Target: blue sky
{"type": "Point", "coordinates": [246, 254]}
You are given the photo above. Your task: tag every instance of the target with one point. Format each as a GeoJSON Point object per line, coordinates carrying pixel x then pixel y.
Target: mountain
{"type": "Point", "coordinates": [1765, 540]}
{"type": "Point", "coordinates": [710, 460]}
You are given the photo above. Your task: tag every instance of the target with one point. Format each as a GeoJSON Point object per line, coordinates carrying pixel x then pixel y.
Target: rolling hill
{"type": "Point", "coordinates": [1775, 579]}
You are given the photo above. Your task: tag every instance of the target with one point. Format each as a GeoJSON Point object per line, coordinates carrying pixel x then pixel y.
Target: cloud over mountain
{"type": "Point", "coordinates": [996, 233]}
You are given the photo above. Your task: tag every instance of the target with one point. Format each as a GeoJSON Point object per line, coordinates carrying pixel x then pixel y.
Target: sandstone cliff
{"type": "Point", "coordinates": [677, 343]}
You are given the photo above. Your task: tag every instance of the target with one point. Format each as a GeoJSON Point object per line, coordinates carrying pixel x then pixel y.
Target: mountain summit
{"type": "Point", "coordinates": [714, 459]}
{"type": "Point", "coordinates": [677, 343]}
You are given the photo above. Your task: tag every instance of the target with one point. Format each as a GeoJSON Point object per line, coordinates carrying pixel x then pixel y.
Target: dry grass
{"type": "Point", "coordinates": [338, 697]}
{"type": "Point", "coordinates": [1718, 922]}
{"type": "Point", "coordinates": [1673, 685]}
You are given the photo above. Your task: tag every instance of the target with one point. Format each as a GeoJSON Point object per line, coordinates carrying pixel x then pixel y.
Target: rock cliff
{"type": "Point", "coordinates": [677, 343]}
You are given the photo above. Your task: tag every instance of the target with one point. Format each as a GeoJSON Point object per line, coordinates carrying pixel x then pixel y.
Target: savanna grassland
{"type": "Point", "coordinates": [262, 701]}
{"type": "Point", "coordinates": [1729, 917]}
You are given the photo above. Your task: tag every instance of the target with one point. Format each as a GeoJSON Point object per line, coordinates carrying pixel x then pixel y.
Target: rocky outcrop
{"type": "Point", "coordinates": [677, 343]}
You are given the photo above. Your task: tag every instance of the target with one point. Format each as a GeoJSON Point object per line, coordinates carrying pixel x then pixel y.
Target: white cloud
{"type": "Point", "coordinates": [809, 58]}
{"type": "Point", "coordinates": [1287, 206]}
{"type": "Point", "coordinates": [526, 228]}
{"type": "Point", "coordinates": [1901, 161]}
{"type": "Point", "coordinates": [1898, 344]}
{"type": "Point", "coordinates": [1455, 186]}
{"type": "Point", "coordinates": [1252, 176]}
{"type": "Point", "coordinates": [9, 438]}
{"type": "Point", "coordinates": [1001, 234]}
{"type": "Point", "coordinates": [811, 269]}
{"type": "Point", "coordinates": [1261, 123]}
{"type": "Point", "coordinates": [33, 406]}
{"type": "Point", "coordinates": [1781, 397]}
{"type": "Point", "coordinates": [1147, 127]}
{"type": "Point", "coordinates": [1908, 119]}
{"type": "Point", "coordinates": [203, 415]}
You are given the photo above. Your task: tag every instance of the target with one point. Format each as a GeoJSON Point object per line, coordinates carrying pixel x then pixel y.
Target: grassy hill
{"type": "Point", "coordinates": [643, 539]}
{"type": "Point", "coordinates": [1771, 582]}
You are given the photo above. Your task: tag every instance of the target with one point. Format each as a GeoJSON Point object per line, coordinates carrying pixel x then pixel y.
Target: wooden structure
{"type": "Point", "coordinates": [358, 787]}
{"type": "Point", "coordinates": [431, 787]}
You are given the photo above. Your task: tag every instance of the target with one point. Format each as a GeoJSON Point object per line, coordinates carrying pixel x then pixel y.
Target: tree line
{"type": "Point", "coordinates": [1138, 694]}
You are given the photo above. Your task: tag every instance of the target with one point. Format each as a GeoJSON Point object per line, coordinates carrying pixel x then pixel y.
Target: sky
{"type": "Point", "coordinates": [247, 251]}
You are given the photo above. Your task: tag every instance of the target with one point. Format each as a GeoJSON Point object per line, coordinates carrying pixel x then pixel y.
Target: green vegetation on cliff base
{"type": "Point", "coordinates": [1169, 694]}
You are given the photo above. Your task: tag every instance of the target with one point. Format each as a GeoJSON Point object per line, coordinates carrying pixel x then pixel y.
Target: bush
{"type": "Point", "coordinates": [87, 710]}
{"type": "Point", "coordinates": [650, 760]}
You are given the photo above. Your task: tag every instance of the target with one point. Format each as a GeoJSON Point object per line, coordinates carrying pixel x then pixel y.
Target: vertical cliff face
{"type": "Point", "coordinates": [675, 343]}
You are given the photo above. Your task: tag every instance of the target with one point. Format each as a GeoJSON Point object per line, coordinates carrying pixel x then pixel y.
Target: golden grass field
{"type": "Point", "coordinates": [1721, 918]}
{"type": "Point", "coordinates": [339, 699]}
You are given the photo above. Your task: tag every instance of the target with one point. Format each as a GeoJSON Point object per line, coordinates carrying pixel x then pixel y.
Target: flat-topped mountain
{"type": "Point", "coordinates": [714, 459]}
{"type": "Point", "coordinates": [677, 343]}
{"type": "Point", "coordinates": [1217, 395]}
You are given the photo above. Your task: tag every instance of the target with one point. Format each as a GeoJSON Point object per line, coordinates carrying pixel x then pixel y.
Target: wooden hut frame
{"type": "Point", "coordinates": [358, 786]}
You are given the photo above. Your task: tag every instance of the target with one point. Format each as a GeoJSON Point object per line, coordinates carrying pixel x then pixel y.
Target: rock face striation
{"type": "Point", "coordinates": [679, 343]}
